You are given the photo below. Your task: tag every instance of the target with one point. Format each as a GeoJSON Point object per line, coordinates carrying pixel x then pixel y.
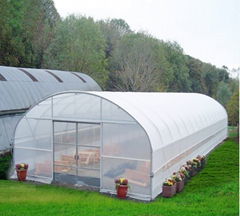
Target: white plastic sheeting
{"type": "Point", "coordinates": [7, 126]}
{"type": "Point", "coordinates": [18, 92]}
{"type": "Point", "coordinates": [142, 136]}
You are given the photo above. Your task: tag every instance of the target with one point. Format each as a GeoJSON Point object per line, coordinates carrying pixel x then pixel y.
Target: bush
{"type": "Point", "coordinates": [5, 164]}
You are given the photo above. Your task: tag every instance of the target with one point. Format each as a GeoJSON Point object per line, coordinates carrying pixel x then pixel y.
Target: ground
{"type": "Point", "coordinates": [213, 192]}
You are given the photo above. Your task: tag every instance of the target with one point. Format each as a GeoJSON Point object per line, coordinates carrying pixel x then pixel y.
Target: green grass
{"type": "Point", "coordinates": [213, 192]}
{"type": "Point", "coordinates": [232, 131]}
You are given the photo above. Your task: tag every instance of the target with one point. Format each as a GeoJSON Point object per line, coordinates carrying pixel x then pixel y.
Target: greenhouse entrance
{"type": "Point", "coordinates": [76, 153]}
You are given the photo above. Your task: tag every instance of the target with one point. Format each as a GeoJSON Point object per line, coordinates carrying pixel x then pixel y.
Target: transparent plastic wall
{"type": "Point", "coordinates": [119, 142]}
{"type": "Point", "coordinates": [125, 151]}
{"type": "Point", "coordinates": [33, 142]}
{"type": "Point", "coordinates": [170, 158]}
{"type": "Point", "coordinates": [76, 107]}
{"type": "Point", "coordinates": [33, 146]}
{"type": "Point", "coordinates": [126, 154]}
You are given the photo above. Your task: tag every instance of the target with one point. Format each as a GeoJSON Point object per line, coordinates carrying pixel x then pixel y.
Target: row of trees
{"type": "Point", "coordinates": [32, 34]}
{"type": "Point", "coordinates": [27, 29]}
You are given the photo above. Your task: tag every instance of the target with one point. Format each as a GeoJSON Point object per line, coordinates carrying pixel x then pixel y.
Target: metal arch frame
{"type": "Point", "coordinates": [101, 122]}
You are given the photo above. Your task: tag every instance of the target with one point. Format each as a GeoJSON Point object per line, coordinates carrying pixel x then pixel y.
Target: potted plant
{"type": "Point", "coordinates": [179, 182]}
{"type": "Point", "coordinates": [189, 169]}
{"type": "Point", "coordinates": [202, 160]}
{"type": "Point", "coordinates": [21, 171]}
{"type": "Point", "coordinates": [193, 169]}
{"type": "Point", "coordinates": [169, 188]}
{"type": "Point", "coordinates": [198, 164]}
{"type": "Point", "coordinates": [121, 187]}
{"type": "Point", "coordinates": [184, 172]}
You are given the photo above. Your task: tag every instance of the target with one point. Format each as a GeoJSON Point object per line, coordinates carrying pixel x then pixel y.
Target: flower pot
{"type": "Point", "coordinates": [203, 163]}
{"type": "Point", "coordinates": [21, 174]}
{"type": "Point", "coordinates": [198, 169]}
{"type": "Point", "coordinates": [193, 172]}
{"type": "Point", "coordinates": [179, 186]}
{"type": "Point", "coordinates": [185, 180]}
{"type": "Point", "coordinates": [122, 191]}
{"type": "Point", "coordinates": [169, 191]}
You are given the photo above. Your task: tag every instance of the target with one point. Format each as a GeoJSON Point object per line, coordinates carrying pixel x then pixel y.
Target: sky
{"type": "Point", "coordinates": [206, 29]}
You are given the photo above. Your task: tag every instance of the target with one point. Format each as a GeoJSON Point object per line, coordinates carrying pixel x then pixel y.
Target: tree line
{"type": "Point", "coordinates": [33, 34]}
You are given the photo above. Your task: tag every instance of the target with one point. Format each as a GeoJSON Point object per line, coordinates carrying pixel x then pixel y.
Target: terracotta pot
{"type": "Point", "coordinates": [122, 191]}
{"type": "Point", "coordinates": [21, 174]}
{"type": "Point", "coordinates": [169, 191]}
{"type": "Point", "coordinates": [179, 186]}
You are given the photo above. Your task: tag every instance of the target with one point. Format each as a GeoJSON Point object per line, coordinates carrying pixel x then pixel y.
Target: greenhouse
{"type": "Point", "coordinates": [91, 138]}
{"type": "Point", "coordinates": [20, 88]}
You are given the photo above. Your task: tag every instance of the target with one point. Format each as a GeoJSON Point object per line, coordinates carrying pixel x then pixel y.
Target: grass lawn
{"type": "Point", "coordinates": [214, 191]}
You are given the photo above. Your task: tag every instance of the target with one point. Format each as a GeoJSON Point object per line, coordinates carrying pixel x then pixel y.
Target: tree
{"type": "Point", "coordinates": [78, 46]}
{"type": "Point", "coordinates": [233, 85]}
{"type": "Point", "coordinates": [27, 27]}
{"type": "Point", "coordinates": [113, 30]}
{"type": "Point", "coordinates": [40, 20]}
{"type": "Point", "coordinates": [32, 34]}
{"type": "Point", "coordinates": [233, 109]}
{"type": "Point", "coordinates": [137, 64]}
{"type": "Point", "coordinates": [12, 48]}
{"type": "Point", "coordinates": [223, 93]}
{"type": "Point", "coordinates": [195, 74]}
{"type": "Point", "coordinates": [210, 77]}
{"type": "Point", "coordinates": [222, 74]}
{"type": "Point", "coordinates": [121, 26]}
{"type": "Point", "coordinates": [178, 62]}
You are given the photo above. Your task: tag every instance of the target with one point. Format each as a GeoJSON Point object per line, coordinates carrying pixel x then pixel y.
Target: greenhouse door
{"type": "Point", "coordinates": [77, 153]}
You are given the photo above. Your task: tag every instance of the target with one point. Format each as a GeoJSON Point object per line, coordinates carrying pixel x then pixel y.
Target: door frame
{"type": "Point", "coordinates": [77, 136]}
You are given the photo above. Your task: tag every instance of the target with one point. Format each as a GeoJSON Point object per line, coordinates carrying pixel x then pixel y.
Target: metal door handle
{"type": "Point", "coordinates": [76, 157]}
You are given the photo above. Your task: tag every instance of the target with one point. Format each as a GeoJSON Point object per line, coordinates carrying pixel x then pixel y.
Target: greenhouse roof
{"type": "Point", "coordinates": [167, 117]}
{"type": "Point", "coordinates": [22, 87]}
